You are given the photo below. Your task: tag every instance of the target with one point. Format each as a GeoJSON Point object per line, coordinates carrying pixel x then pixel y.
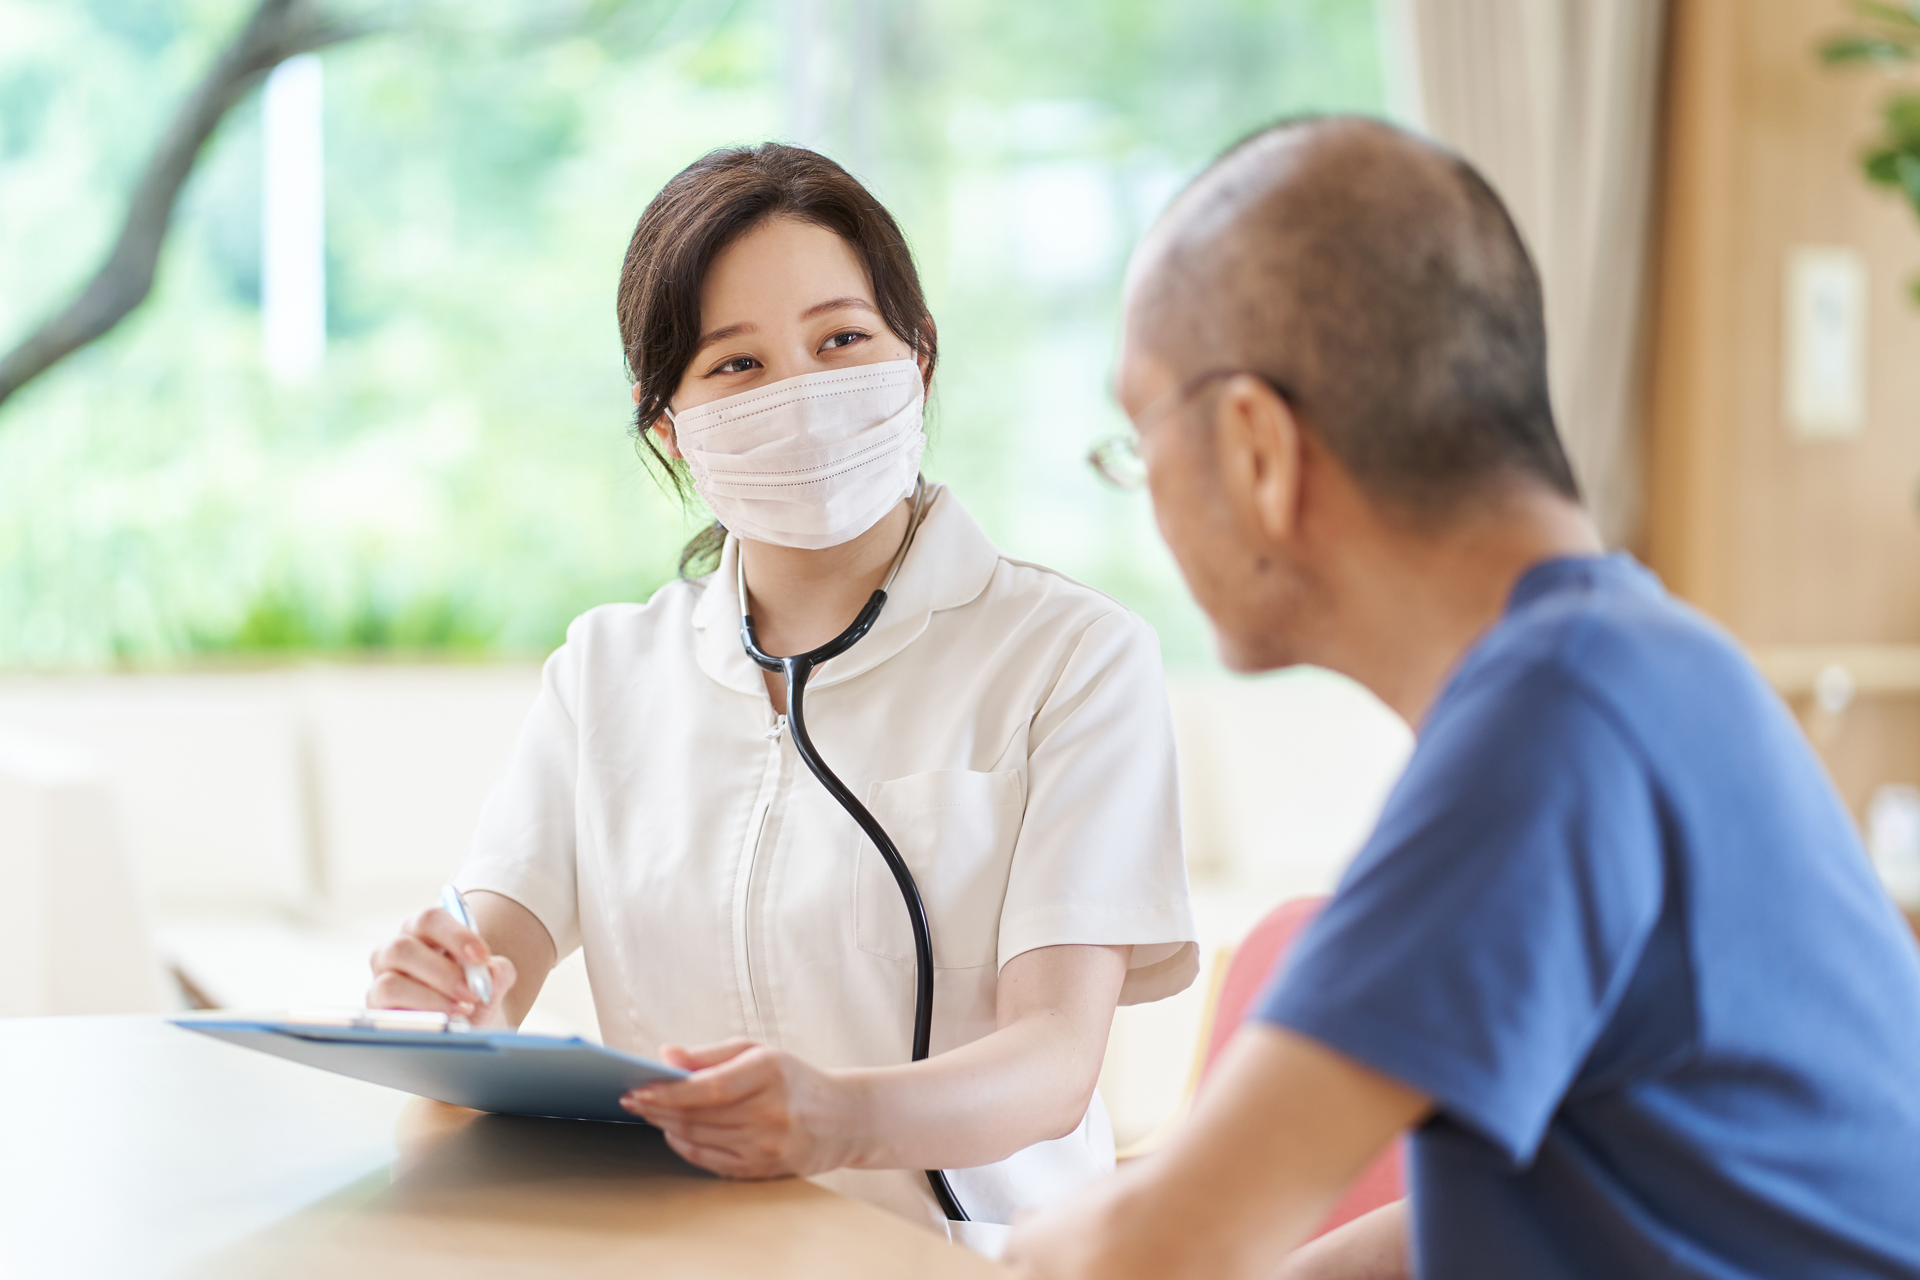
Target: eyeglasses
{"type": "Point", "coordinates": [1117, 460]}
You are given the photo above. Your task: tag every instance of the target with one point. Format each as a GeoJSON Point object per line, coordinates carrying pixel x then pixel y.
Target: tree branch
{"type": "Point", "coordinates": [278, 30]}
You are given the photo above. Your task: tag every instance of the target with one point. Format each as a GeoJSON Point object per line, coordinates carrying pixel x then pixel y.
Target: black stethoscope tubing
{"type": "Point", "coordinates": [794, 671]}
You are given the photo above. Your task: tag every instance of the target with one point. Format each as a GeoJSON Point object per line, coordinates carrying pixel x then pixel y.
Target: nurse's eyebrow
{"type": "Point", "coordinates": [837, 304]}
{"type": "Point", "coordinates": [723, 333]}
{"type": "Point", "coordinates": [735, 330]}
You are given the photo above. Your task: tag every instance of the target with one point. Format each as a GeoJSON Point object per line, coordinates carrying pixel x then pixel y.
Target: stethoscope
{"type": "Point", "coordinates": [795, 671]}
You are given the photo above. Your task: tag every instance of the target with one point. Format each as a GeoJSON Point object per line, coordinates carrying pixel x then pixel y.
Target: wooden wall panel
{"type": "Point", "coordinates": [1786, 541]}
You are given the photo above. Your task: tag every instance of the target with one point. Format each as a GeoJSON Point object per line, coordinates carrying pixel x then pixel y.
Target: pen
{"type": "Point", "coordinates": [477, 975]}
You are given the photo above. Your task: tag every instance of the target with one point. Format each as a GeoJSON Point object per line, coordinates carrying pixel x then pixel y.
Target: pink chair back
{"type": "Point", "coordinates": [1265, 949]}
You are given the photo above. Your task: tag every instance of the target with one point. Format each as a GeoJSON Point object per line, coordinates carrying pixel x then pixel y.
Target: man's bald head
{"type": "Point", "coordinates": [1379, 283]}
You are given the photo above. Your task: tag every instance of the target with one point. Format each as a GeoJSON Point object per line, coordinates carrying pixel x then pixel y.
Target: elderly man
{"type": "Point", "coordinates": [1613, 953]}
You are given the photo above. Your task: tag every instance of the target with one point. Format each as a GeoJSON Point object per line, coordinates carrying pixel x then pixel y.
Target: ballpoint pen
{"type": "Point", "coordinates": [478, 976]}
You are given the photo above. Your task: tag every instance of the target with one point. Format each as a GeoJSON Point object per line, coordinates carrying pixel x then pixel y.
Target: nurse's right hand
{"type": "Point", "coordinates": [422, 968]}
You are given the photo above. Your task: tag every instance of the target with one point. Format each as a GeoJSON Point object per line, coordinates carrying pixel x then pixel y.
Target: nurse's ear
{"type": "Point", "coordinates": [663, 432]}
{"type": "Point", "coordinates": [662, 428]}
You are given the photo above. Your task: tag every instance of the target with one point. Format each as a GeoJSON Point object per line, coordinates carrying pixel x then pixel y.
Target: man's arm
{"type": "Point", "coordinates": [1371, 1247]}
{"type": "Point", "coordinates": [1283, 1128]}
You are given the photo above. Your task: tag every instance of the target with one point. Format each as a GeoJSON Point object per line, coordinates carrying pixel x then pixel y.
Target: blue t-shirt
{"type": "Point", "coordinates": [1617, 925]}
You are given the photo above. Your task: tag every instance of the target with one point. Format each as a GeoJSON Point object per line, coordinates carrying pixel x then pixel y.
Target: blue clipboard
{"type": "Point", "coordinates": [503, 1071]}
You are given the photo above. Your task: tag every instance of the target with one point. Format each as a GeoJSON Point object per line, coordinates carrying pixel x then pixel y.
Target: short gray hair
{"type": "Point", "coordinates": [1378, 281]}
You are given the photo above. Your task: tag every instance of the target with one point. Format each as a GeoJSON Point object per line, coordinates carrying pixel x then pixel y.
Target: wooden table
{"type": "Point", "coordinates": [131, 1148]}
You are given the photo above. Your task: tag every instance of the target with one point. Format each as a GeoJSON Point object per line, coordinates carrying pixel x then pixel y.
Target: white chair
{"type": "Point", "coordinates": [402, 760]}
{"type": "Point", "coordinates": [74, 936]}
{"type": "Point", "coordinates": [208, 772]}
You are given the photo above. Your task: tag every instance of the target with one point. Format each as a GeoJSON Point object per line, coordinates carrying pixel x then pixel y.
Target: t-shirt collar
{"type": "Point", "coordinates": [1548, 576]}
{"type": "Point", "coordinates": [948, 565]}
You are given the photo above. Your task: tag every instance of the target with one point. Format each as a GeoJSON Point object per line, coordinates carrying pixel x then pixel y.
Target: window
{"type": "Point", "coordinates": [459, 474]}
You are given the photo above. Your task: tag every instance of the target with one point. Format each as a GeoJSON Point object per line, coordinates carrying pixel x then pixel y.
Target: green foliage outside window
{"type": "Point", "coordinates": [460, 478]}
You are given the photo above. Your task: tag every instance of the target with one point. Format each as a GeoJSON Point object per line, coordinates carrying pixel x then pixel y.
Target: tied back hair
{"type": "Point", "coordinates": [703, 210]}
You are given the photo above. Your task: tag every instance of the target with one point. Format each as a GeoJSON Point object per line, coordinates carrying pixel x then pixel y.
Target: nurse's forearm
{"type": "Point", "coordinates": [1028, 1081]}
{"type": "Point", "coordinates": [512, 931]}
{"type": "Point", "coordinates": [974, 1105]}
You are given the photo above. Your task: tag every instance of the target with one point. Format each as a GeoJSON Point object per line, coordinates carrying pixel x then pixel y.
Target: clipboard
{"type": "Point", "coordinates": [563, 1078]}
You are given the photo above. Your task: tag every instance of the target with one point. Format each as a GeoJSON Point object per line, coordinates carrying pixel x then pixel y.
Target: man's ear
{"type": "Point", "coordinates": [1259, 446]}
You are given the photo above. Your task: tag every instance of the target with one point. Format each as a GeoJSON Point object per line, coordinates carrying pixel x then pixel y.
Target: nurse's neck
{"type": "Point", "coordinates": [802, 599]}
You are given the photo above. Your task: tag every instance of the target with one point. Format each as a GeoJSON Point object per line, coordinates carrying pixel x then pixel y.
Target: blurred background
{"type": "Point", "coordinates": [281, 552]}
{"type": "Point", "coordinates": [449, 467]}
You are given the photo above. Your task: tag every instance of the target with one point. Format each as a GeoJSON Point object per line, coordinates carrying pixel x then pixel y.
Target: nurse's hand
{"type": "Point", "coordinates": [422, 968]}
{"type": "Point", "coordinates": [749, 1111]}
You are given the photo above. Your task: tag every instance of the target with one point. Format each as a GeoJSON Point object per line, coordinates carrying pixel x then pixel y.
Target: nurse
{"type": "Point", "coordinates": [1007, 726]}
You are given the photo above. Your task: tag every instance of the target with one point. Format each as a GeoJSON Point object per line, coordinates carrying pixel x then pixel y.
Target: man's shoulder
{"type": "Point", "coordinates": [1608, 633]}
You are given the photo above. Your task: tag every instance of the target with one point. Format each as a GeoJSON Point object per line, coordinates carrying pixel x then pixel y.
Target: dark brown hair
{"type": "Point", "coordinates": [705, 208]}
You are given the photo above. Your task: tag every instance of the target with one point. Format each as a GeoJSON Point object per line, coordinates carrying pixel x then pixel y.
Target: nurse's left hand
{"type": "Point", "coordinates": [749, 1111]}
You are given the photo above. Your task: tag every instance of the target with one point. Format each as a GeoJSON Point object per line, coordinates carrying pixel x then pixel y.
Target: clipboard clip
{"type": "Point", "coordinates": [417, 1020]}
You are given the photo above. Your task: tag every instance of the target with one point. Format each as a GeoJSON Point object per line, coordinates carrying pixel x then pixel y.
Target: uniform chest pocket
{"type": "Point", "coordinates": [956, 830]}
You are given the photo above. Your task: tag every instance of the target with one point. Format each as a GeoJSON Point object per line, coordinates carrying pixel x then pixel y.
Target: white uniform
{"type": "Point", "coordinates": [1009, 728]}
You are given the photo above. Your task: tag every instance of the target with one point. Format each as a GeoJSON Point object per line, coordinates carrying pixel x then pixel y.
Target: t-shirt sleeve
{"type": "Point", "coordinates": [1481, 940]}
{"type": "Point", "coordinates": [524, 845]}
{"type": "Point", "coordinates": [1099, 859]}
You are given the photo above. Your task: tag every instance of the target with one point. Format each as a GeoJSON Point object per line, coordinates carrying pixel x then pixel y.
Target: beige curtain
{"type": "Point", "coordinates": [1555, 101]}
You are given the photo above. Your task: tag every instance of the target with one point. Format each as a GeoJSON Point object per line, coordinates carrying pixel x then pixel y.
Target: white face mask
{"type": "Point", "coordinates": [812, 461]}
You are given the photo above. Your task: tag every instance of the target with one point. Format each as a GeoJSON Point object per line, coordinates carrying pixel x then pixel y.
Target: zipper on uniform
{"type": "Point", "coordinates": [744, 919]}
{"type": "Point", "coordinates": [743, 924]}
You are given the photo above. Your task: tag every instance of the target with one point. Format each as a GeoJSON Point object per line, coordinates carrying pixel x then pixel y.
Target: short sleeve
{"type": "Point", "coordinates": [1099, 859]}
{"type": "Point", "coordinates": [524, 846]}
{"type": "Point", "coordinates": [1482, 939]}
